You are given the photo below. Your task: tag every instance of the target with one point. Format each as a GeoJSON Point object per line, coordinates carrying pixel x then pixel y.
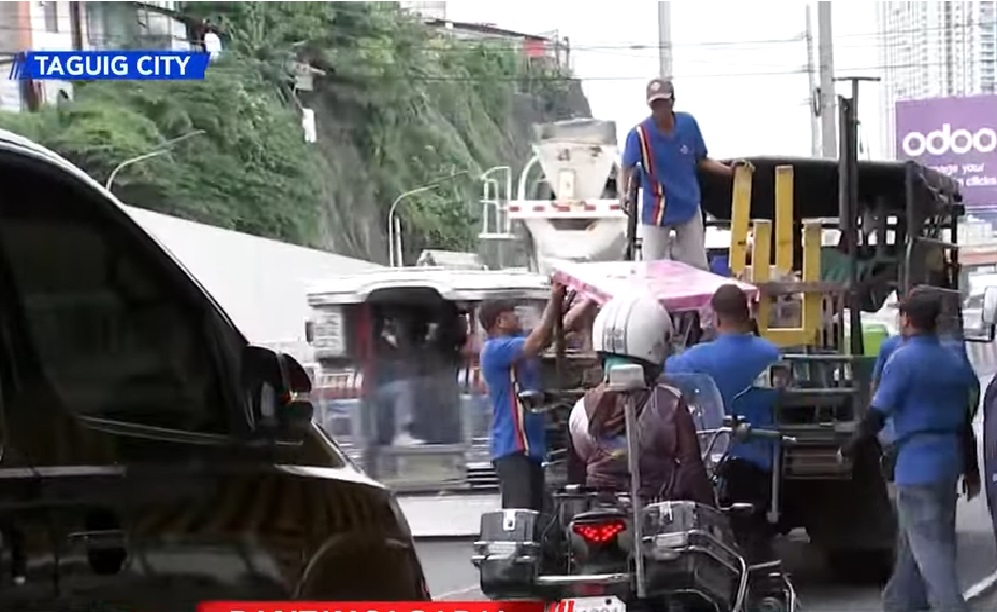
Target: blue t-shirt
{"type": "Point", "coordinates": [734, 361]}
{"type": "Point", "coordinates": [925, 388]}
{"type": "Point", "coordinates": [886, 436]}
{"type": "Point", "coordinates": [515, 430]}
{"type": "Point", "coordinates": [672, 159]}
{"type": "Point", "coordinates": [886, 349]}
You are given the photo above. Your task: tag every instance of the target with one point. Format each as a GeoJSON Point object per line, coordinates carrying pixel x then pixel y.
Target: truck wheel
{"type": "Point", "coordinates": [861, 566]}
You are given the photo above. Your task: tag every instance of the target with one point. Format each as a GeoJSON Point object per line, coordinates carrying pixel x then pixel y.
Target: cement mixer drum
{"type": "Point", "coordinates": [572, 211]}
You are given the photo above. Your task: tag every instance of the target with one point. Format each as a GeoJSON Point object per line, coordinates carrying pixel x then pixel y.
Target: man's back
{"type": "Point", "coordinates": [925, 388]}
{"type": "Point", "coordinates": [670, 457]}
{"type": "Point", "coordinates": [734, 361]}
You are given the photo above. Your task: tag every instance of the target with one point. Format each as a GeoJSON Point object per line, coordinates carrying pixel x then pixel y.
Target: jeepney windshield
{"type": "Point", "coordinates": [405, 398]}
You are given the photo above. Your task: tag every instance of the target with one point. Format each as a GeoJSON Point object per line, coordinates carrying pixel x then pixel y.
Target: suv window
{"type": "Point", "coordinates": [114, 336]}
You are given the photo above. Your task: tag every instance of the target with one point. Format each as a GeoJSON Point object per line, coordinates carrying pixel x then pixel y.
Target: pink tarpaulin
{"type": "Point", "coordinates": [678, 286]}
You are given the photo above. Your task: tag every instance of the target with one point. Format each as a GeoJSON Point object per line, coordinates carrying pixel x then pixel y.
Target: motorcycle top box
{"type": "Point", "coordinates": [689, 548]}
{"type": "Point", "coordinates": [508, 553]}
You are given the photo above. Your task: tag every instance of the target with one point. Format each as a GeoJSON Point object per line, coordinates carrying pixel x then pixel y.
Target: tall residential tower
{"type": "Point", "coordinates": [935, 49]}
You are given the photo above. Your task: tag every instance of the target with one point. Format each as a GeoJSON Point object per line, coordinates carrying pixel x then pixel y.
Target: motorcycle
{"type": "Point", "coordinates": [608, 551]}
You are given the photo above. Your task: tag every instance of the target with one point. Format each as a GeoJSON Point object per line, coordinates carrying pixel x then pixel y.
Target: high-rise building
{"type": "Point", "coordinates": [935, 49]}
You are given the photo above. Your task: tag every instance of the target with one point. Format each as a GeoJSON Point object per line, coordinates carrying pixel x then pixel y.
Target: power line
{"type": "Point", "coordinates": [802, 71]}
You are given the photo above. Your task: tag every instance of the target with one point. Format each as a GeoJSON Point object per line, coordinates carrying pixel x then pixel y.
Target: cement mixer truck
{"type": "Point", "coordinates": [565, 205]}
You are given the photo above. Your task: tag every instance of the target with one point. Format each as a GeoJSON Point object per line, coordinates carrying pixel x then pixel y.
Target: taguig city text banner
{"type": "Point", "coordinates": [957, 137]}
{"type": "Point", "coordinates": [110, 66]}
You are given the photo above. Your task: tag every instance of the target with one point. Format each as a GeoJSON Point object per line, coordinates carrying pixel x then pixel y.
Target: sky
{"type": "Point", "coordinates": [740, 68]}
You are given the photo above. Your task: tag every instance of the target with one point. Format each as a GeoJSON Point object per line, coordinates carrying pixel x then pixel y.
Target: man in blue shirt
{"type": "Point", "coordinates": [956, 345]}
{"type": "Point", "coordinates": [734, 360]}
{"type": "Point", "coordinates": [925, 389]}
{"type": "Point", "coordinates": [669, 147]}
{"type": "Point", "coordinates": [510, 365]}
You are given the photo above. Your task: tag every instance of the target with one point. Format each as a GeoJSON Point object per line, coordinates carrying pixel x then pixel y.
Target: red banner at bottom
{"type": "Point", "coordinates": [380, 606]}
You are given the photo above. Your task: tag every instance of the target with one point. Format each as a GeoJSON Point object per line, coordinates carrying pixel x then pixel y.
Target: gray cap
{"type": "Point", "coordinates": [660, 89]}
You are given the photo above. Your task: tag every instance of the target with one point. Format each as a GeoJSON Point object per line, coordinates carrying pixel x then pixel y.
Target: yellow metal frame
{"type": "Point", "coordinates": [760, 272]}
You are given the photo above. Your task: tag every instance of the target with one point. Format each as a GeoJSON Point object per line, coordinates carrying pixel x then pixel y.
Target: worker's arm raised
{"type": "Point", "coordinates": [581, 316]}
{"type": "Point", "coordinates": [540, 338]}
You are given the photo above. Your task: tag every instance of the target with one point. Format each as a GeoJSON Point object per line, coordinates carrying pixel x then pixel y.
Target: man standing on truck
{"type": "Point", "coordinates": [734, 359]}
{"type": "Point", "coordinates": [510, 364]}
{"type": "Point", "coordinates": [670, 149]}
{"type": "Point", "coordinates": [925, 389]}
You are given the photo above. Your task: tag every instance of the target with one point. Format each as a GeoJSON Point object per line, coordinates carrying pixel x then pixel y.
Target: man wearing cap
{"type": "Point", "coordinates": [669, 147]}
{"type": "Point", "coordinates": [925, 389]}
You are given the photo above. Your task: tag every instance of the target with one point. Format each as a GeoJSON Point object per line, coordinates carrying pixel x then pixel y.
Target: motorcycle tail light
{"type": "Point", "coordinates": [599, 532]}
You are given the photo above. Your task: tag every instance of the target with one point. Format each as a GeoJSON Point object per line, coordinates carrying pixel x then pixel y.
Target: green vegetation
{"type": "Point", "coordinates": [397, 108]}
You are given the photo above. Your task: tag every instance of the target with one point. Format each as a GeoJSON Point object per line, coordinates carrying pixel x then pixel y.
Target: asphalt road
{"type": "Point", "coordinates": [451, 575]}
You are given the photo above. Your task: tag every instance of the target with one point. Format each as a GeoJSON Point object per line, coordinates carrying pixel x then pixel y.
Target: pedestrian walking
{"type": "Point", "coordinates": [925, 389]}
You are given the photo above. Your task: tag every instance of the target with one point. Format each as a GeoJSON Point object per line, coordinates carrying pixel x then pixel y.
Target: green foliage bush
{"type": "Point", "coordinates": [397, 108]}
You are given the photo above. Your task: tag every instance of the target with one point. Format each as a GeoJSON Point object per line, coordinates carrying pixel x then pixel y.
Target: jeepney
{"type": "Point", "coordinates": [430, 314]}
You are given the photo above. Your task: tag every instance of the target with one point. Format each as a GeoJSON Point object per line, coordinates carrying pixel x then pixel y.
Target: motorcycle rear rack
{"type": "Point", "coordinates": [612, 578]}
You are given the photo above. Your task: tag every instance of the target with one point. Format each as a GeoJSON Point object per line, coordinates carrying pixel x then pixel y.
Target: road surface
{"type": "Point", "coordinates": [451, 575]}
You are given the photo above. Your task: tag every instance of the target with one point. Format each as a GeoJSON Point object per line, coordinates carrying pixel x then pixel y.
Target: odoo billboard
{"type": "Point", "coordinates": [956, 136]}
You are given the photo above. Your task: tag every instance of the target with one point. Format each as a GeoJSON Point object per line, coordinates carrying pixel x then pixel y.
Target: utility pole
{"type": "Point", "coordinates": [665, 68]}
{"type": "Point", "coordinates": [813, 95]}
{"type": "Point", "coordinates": [828, 97]}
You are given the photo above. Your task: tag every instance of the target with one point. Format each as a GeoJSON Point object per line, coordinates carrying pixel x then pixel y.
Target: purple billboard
{"type": "Point", "coordinates": [957, 137]}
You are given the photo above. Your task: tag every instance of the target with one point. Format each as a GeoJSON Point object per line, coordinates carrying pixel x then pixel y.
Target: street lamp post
{"type": "Point", "coordinates": [394, 229]}
{"type": "Point", "coordinates": [165, 148]}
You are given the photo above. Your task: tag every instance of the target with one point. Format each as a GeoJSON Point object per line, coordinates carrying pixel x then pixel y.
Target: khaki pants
{"type": "Point", "coordinates": [688, 245]}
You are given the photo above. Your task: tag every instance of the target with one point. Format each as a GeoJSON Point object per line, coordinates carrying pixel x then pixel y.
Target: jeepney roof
{"type": "Point", "coordinates": [679, 287]}
{"type": "Point", "coordinates": [452, 285]}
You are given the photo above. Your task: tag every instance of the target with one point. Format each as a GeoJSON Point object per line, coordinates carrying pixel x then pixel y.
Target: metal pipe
{"type": "Point", "coordinates": [165, 148]}
{"type": "Point", "coordinates": [665, 68]}
{"type": "Point", "coordinates": [633, 465]}
{"type": "Point", "coordinates": [828, 97]}
{"type": "Point", "coordinates": [814, 95]}
{"type": "Point", "coordinates": [524, 178]}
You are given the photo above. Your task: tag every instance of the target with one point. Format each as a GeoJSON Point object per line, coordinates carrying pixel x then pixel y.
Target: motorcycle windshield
{"type": "Point", "coordinates": [706, 406]}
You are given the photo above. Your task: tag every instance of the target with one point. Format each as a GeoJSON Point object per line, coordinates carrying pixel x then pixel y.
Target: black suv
{"type": "Point", "coordinates": [150, 458]}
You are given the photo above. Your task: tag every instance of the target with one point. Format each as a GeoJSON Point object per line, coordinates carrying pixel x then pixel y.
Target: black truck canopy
{"type": "Point", "coordinates": [881, 183]}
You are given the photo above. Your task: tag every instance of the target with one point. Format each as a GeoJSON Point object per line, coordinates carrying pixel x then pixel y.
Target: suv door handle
{"type": "Point", "coordinates": [108, 539]}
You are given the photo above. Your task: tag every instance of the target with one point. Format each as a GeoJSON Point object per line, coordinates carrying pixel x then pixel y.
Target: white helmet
{"type": "Point", "coordinates": [635, 326]}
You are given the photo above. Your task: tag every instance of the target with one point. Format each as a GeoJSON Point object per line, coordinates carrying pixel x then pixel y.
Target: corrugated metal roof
{"type": "Point", "coordinates": [261, 283]}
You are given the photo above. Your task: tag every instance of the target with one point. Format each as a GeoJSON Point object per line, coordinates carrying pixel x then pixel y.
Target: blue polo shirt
{"type": "Point", "coordinates": [669, 182]}
{"type": "Point", "coordinates": [515, 430]}
{"type": "Point", "coordinates": [887, 348]}
{"type": "Point", "coordinates": [925, 388]}
{"type": "Point", "coordinates": [734, 361]}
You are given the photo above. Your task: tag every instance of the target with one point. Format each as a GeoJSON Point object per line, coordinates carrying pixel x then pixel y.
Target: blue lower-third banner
{"type": "Point", "coordinates": [110, 65]}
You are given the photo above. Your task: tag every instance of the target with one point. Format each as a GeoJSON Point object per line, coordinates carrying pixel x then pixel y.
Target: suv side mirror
{"type": "Point", "coordinates": [776, 376]}
{"type": "Point", "coordinates": [988, 316]}
{"type": "Point", "coordinates": [626, 377]}
{"type": "Point", "coordinates": [278, 390]}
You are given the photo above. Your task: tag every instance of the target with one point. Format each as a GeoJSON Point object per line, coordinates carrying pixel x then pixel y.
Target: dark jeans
{"type": "Point", "coordinates": [745, 482]}
{"type": "Point", "coordinates": [521, 482]}
{"type": "Point", "coordinates": [926, 551]}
